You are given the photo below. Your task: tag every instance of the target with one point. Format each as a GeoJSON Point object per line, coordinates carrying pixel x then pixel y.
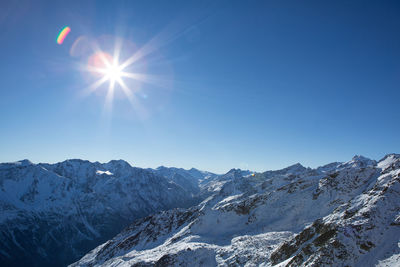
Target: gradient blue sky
{"type": "Point", "coordinates": [251, 84]}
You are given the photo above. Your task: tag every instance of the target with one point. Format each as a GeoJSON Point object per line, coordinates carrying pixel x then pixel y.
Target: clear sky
{"type": "Point", "coordinates": [227, 84]}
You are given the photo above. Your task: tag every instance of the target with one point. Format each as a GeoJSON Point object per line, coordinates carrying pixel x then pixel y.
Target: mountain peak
{"type": "Point", "coordinates": [162, 167]}
{"type": "Point", "coordinates": [234, 171]}
{"type": "Point", "coordinates": [237, 173]}
{"type": "Point", "coordinates": [391, 155]}
{"type": "Point", "coordinates": [360, 161]}
{"type": "Point", "coordinates": [389, 162]}
{"type": "Point", "coordinates": [360, 158]}
{"type": "Point", "coordinates": [75, 161]}
{"type": "Point", "coordinates": [24, 162]}
{"type": "Point", "coordinates": [296, 165]}
{"type": "Point", "coordinates": [294, 168]}
{"type": "Point", "coordinates": [119, 162]}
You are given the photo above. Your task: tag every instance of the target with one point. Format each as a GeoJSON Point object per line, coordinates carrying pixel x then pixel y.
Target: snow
{"type": "Point", "coordinates": [248, 218]}
{"type": "Point", "coordinates": [76, 202]}
{"type": "Point", "coordinates": [392, 261]}
{"type": "Point", "coordinates": [230, 198]}
{"type": "Point", "coordinates": [99, 172]}
{"type": "Point", "coordinates": [237, 219]}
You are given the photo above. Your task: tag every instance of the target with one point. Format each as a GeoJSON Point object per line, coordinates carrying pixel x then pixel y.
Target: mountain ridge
{"type": "Point", "coordinates": [90, 201]}
{"type": "Point", "coordinates": [335, 215]}
{"type": "Point", "coordinates": [69, 207]}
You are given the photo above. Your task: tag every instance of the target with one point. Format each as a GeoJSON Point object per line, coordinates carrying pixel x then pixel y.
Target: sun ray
{"type": "Point", "coordinates": [132, 99]}
{"type": "Point", "coordinates": [117, 52]}
{"type": "Point", "coordinates": [108, 104]}
{"type": "Point", "coordinates": [109, 69]}
{"type": "Point", "coordinates": [91, 88]}
{"type": "Point", "coordinates": [170, 33]}
{"type": "Point", "coordinates": [147, 78]}
{"type": "Point", "coordinates": [126, 90]}
{"type": "Point", "coordinates": [95, 69]}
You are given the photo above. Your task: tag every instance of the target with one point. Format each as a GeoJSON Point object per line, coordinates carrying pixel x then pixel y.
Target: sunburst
{"type": "Point", "coordinates": [111, 74]}
{"type": "Point", "coordinates": [107, 69]}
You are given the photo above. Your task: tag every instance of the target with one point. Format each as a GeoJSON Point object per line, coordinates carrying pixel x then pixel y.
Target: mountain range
{"type": "Point", "coordinates": [52, 214]}
{"type": "Point", "coordinates": [339, 214]}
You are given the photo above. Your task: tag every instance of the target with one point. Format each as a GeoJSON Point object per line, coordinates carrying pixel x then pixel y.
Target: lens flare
{"type": "Point", "coordinates": [99, 62]}
{"type": "Point", "coordinates": [63, 33]}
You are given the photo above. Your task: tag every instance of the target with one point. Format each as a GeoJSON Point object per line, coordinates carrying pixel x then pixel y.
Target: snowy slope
{"type": "Point", "coordinates": [54, 213]}
{"type": "Point", "coordinates": [337, 215]}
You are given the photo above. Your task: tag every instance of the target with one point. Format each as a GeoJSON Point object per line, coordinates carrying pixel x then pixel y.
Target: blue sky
{"type": "Point", "coordinates": [256, 85]}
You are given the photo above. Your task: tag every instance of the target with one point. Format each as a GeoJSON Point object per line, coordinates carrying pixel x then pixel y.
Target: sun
{"type": "Point", "coordinates": [110, 74]}
{"type": "Point", "coordinates": [106, 67]}
{"type": "Point", "coordinates": [113, 72]}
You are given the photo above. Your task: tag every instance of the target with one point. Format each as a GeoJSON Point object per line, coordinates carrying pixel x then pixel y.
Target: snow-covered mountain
{"type": "Point", "coordinates": [52, 214]}
{"type": "Point", "coordinates": [340, 214]}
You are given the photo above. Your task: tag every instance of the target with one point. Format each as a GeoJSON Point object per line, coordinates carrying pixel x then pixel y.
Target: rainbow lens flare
{"type": "Point", "coordinates": [63, 33]}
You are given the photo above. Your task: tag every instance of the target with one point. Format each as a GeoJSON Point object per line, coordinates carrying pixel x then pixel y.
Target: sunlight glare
{"type": "Point", "coordinates": [107, 68]}
{"type": "Point", "coordinates": [113, 72]}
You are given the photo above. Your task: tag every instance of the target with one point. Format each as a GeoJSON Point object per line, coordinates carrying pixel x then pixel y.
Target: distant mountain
{"type": "Point", "coordinates": [52, 214]}
{"type": "Point", "coordinates": [340, 214]}
{"type": "Point", "coordinates": [193, 173]}
{"type": "Point", "coordinates": [188, 179]}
